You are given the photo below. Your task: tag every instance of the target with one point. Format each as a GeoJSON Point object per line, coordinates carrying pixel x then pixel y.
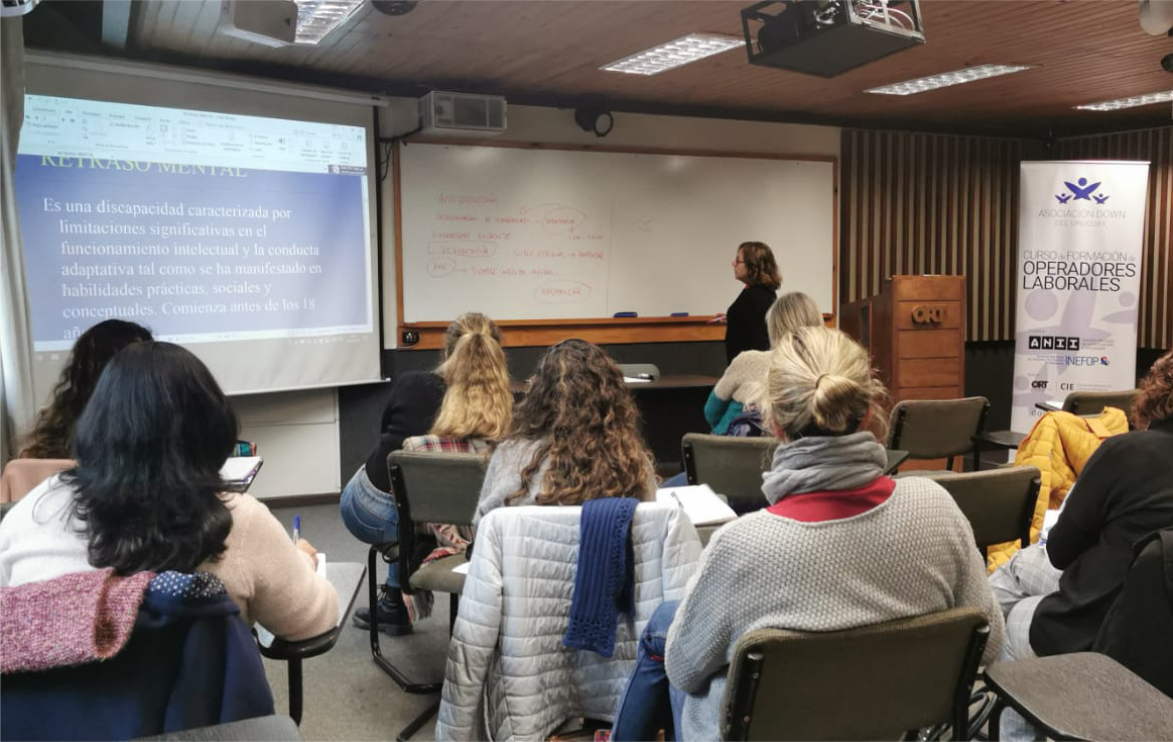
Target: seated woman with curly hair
{"type": "Point", "coordinates": [574, 437]}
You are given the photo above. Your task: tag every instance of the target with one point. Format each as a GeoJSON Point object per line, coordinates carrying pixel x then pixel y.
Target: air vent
{"type": "Point", "coordinates": [462, 114]}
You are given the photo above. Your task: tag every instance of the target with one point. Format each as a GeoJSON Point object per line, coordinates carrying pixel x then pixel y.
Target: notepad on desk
{"type": "Point", "coordinates": [703, 506]}
{"type": "Point", "coordinates": [238, 472]}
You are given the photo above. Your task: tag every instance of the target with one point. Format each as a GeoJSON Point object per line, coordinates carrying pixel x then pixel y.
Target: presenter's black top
{"type": "Point", "coordinates": [411, 410]}
{"type": "Point", "coordinates": [745, 322]}
{"type": "Point", "coordinates": [1124, 493]}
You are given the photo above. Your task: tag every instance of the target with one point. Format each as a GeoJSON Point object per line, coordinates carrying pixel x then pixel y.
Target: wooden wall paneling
{"type": "Point", "coordinates": [1155, 321]}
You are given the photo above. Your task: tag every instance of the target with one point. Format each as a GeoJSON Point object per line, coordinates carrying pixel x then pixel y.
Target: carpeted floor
{"type": "Point", "coordinates": [347, 697]}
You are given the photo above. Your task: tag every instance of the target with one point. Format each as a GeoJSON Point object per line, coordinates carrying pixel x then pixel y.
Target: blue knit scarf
{"type": "Point", "coordinates": [604, 584]}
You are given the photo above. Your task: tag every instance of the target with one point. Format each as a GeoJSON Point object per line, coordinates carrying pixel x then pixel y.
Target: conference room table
{"type": "Point", "coordinates": [669, 406]}
{"type": "Point", "coordinates": [347, 578]}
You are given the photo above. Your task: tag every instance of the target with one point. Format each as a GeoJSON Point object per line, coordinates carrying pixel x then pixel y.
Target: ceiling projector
{"type": "Point", "coordinates": [829, 37]}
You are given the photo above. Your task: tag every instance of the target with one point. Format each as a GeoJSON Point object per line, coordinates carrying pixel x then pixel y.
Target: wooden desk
{"type": "Point", "coordinates": [347, 578]}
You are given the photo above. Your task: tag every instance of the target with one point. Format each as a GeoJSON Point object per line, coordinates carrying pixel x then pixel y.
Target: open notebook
{"type": "Point", "coordinates": [703, 506]}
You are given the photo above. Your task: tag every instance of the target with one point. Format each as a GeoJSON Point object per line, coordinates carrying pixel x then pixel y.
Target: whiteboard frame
{"type": "Point", "coordinates": [609, 330]}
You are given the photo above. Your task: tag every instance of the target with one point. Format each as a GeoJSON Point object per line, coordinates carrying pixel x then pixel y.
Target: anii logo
{"type": "Point", "coordinates": [1081, 190]}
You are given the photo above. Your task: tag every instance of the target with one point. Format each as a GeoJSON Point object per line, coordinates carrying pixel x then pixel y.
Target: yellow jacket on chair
{"type": "Point", "coordinates": [1060, 444]}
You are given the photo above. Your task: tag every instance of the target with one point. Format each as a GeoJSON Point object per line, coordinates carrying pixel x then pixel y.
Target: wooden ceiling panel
{"type": "Point", "coordinates": [1083, 51]}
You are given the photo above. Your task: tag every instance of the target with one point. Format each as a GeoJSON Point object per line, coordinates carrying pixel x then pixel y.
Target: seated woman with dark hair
{"type": "Point", "coordinates": [93, 350]}
{"type": "Point", "coordinates": [574, 437]}
{"type": "Point", "coordinates": [146, 495]}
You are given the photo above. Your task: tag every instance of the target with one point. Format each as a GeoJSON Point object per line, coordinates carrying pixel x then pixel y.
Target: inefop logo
{"type": "Point", "coordinates": [1052, 342]}
{"type": "Point", "coordinates": [1083, 360]}
{"type": "Point", "coordinates": [1081, 190]}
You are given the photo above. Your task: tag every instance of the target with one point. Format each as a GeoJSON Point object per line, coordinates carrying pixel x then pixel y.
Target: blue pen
{"type": "Point", "coordinates": [296, 528]}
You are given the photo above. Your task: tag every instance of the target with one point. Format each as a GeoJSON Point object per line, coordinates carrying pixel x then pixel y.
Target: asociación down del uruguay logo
{"type": "Point", "coordinates": [1081, 190]}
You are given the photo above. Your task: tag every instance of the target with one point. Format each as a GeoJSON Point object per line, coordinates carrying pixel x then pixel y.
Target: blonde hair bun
{"type": "Point", "coordinates": [820, 382]}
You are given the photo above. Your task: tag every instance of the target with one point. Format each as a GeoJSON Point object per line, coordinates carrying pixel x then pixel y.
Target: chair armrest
{"type": "Point", "coordinates": [999, 439]}
{"type": "Point", "coordinates": [280, 649]}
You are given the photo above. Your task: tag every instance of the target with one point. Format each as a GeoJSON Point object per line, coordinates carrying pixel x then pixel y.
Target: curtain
{"type": "Point", "coordinates": [16, 365]}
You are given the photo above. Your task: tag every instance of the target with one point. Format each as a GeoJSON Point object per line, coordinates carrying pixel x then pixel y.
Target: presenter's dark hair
{"type": "Point", "coordinates": [149, 448]}
{"type": "Point", "coordinates": [760, 265]}
{"type": "Point", "coordinates": [93, 350]}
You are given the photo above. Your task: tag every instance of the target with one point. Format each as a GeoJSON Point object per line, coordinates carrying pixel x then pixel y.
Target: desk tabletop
{"type": "Point", "coordinates": [1084, 695]}
{"type": "Point", "coordinates": [347, 578]}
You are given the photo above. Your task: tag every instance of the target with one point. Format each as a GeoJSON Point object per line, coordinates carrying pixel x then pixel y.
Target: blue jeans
{"type": "Point", "coordinates": [649, 702]}
{"type": "Point", "coordinates": [371, 516]}
{"type": "Point", "coordinates": [678, 480]}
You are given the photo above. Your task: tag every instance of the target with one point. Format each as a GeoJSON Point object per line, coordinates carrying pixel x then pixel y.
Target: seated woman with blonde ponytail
{"type": "Point", "coordinates": [841, 545]}
{"type": "Point", "coordinates": [474, 412]}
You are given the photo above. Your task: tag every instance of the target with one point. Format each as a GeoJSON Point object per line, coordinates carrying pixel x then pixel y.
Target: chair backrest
{"type": "Point", "coordinates": [872, 682]}
{"type": "Point", "coordinates": [640, 370]}
{"type": "Point", "coordinates": [432, 488]}
{"type": "Point", "coordinates": [937, 428]}
{"type": "Point", "coordinates": [1092, 403]}
{"type": "Point", "coordinates": [731, 466]}
{"type": "Point", "coordinates": [999, 503]}
{"type": "Point", "coordinates": [523, 572]}
{"type": "Point", "coordinates": [1137, 630]}
{"type": "Point", "coordinates": [21, 476]}
{"type": "Point", "coordinates": [437, 487]}
{"type": "Point", "coordinates": [190, 662]}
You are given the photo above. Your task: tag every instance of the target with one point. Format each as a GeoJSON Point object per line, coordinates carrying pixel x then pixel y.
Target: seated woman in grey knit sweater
{"type": "Point", "coordinates": [574, 436]}
{"type": "Point", "coordinates": [840, 546]}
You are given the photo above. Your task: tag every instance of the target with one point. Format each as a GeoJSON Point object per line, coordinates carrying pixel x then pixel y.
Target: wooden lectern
{"type": "Point", "coordinates": [915, 332]}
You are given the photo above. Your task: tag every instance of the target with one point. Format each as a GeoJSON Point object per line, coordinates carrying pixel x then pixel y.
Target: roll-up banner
{"type": "Point", "coordinates": [1080, 230]}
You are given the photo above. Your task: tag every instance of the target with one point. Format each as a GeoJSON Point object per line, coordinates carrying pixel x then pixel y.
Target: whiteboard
{"type": "Point", "coordinates": [531, 234]}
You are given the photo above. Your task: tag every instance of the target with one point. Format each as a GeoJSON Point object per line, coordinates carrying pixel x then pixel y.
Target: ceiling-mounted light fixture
{"type": "Point", "coordinates": [594, 118]}
{"type": "Point", "coordinates": [948, 79]}
{"type": "Point", "coordinates": [317, 18]}
{"type": "Point", "coordinates": [674, 54]}
{"type": "Point", "coordinates": [1137, 100]}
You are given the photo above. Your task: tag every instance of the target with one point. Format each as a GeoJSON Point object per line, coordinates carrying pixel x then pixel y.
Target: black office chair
{"type": "Point", "coordinates": [429, 488]}
{"type": "Point", "coordinates": [871, 682]}
{"type": "Point", "coordinates": [999, 503]}
{"type": "Point", "coordinates": [937, 428]}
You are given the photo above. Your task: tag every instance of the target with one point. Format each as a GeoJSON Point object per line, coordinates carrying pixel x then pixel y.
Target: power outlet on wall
{"type": "Point", "coordinates": [410, 337]}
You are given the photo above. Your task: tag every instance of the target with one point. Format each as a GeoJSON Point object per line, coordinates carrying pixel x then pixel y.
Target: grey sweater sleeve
{"type": "Point", "coordinates": [702, 631]}
{"type": "Point", "coordinates": [503, 477]}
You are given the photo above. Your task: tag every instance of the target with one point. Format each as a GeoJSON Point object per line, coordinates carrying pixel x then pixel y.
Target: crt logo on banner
{"type": "Point", "coordinates": [1081, 190]}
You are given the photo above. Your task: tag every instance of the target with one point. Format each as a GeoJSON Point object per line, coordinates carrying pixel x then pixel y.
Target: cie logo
{"type": "Point", "coordinates": [928, 314]}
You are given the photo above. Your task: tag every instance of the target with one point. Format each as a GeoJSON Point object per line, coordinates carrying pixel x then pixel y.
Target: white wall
{"type": "Point", "coordinates": [557, 126]}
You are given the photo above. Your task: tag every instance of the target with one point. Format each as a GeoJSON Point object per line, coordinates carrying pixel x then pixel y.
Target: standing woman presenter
{"type": "Point", "coordinates": [745, 321]}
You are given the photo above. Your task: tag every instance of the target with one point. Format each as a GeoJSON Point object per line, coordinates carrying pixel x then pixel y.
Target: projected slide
{"type": "Point", "coordinates": [205, 227]}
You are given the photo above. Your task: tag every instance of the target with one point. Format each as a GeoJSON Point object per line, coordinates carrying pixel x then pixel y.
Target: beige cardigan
{"type": "Point", "coordinates": [272, 582]}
